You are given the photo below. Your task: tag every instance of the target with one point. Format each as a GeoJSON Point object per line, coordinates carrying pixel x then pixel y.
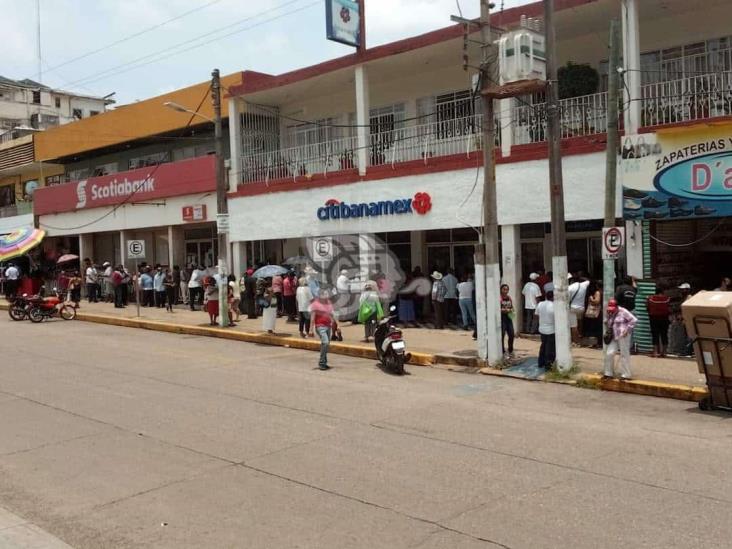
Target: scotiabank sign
{"type": "Point", "coordinates": [192, 176]}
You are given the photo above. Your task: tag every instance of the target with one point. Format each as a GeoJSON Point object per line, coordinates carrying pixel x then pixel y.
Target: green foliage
{"type": "Point", "coordinates": [577, 79]}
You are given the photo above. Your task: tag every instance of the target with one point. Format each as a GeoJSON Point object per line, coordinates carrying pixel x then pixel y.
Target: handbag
{"type": "Point", "coordinates": [609, 336]}
{"type": "Point", "coordinates": [593, 311]}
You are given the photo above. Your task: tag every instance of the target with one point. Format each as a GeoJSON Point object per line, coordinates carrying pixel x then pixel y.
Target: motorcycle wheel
{"type": "Point", "coordinates": [67, 312]}
{"type": "Point", "coordinates": [399, 365]}
{"type": "Point", "coordinates": [35, 315]}
{"type": "Point", "coordinates": [17, 313]}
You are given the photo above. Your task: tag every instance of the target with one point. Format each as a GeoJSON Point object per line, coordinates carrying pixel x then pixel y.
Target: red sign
{"type": "Point", "coordinates": [193, 176]}
{"type": "Point", "coordinates": [196, 212]}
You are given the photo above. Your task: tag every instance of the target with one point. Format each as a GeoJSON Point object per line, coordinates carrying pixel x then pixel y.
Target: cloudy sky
{"type": "Point", "coordinates": [141, 48]}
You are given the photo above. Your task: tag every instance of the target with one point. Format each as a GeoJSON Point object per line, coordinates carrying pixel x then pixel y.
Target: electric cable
{"type": "Point", "coordinates": [710, 233]}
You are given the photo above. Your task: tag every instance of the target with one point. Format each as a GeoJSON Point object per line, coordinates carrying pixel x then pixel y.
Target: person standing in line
{"type": "Point", "coordinates": [545, 315]}
{"type": "Point", "coordinates": [658, 306]}
{"type": "Point", "coordinates": [593, 313]}
{"type": "Point", "coordinates": [289, 287]}
{"type": "Point", "coordinates": [268, 302]}
{"type": "Point", "coordinates": [176, 281]}
{"type": "Point", "coordinates": [90, 277]}
{"type": "Point", "coordinates": [159, 286]}
{"type": "Point", "coordinates": [438, 300]}
{"type": "Point", "coordinates": [343, 283]}
{"type": "Point", "coordinates": [405, 303]}
{"type": "Point", "coordinates": [235, 298]}
{"type": "Point", "coordinates": [322, 317]}
{"type": "Point", "coordinates": [304, 298]}
{"type": "Point", "coordinates": [542, 279]}
{"type": "Point", "coordinates": [75, 288]}
{"type": "Point", "coordinates": [465, 300]}
{"type": "Point", "coordinates": [148, 289]}
{"type": "Point", "coordinates": [127, 288]}
{"type": "Point", "coordinates": [211, 299]}
{"type": "Point", "coordinates": [185, 277]}
{"type": "Point", "coordinates": [577, 296]}
{"type": "Point", "coordinates": [370, 310]}
{"type": "Point", "coordinates": [170, 286]}
{"type": "Point", "coordinates": [195, 290]}
{"type": "Point", "coordinates": [548, 286]}
{"type": "Point", "coordinates": [507, 315]}
{"type": "Point", "coordinates": [625, 294]}
{"type": "Point", "coordinates": [277, 293]}
{"type": "Point", "coordinates": [116, 279]}
{"type": "Point", "coordinates": [620, 324]}
{"type": "Point", "coordinates": [451, 297]}
{"type": "Point", "coordinates": [532, 294]}
{"type": "Point", "coordinates": [419, 299]}
{"type": "Point", "coordinates": [12, 280]}
{"type": "Point", "coordinates": [250, 293]}
{"type": "Point", "coordinates": [725, 285]}
{"type": "Point", "coordinates": [108, 288]}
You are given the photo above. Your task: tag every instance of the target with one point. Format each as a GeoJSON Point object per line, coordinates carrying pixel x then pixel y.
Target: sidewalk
{"type": "Point", "coordinates": [449, 346]}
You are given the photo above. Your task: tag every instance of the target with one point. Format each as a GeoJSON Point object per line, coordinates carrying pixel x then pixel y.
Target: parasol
{"type": "Point", "coordinates": [19, 242]}
{"type": "Point", "coordinates": [268, 271]}
{"type": "Point", "coordinates": [66, 258]}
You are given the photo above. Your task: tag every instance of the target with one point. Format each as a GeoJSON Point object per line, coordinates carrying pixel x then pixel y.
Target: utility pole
{"type": "Point", "coordinates": [611, 166]}
{"type": "Point", "coordinates": [491, 269]}
{"type": "Point", "coordinates": [222, 207]}
{"type": "Point", "coordinates": [556, 198]}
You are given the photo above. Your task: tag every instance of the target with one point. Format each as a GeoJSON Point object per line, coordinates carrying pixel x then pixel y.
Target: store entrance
{"type": "Point", "coordinates": [459, 257]}
{"type": "Point", "coordinates": [201, 252]}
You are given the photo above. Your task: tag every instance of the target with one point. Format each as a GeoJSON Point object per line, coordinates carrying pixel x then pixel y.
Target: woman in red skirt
{"type": "Point", "coordinates": [211, 298]}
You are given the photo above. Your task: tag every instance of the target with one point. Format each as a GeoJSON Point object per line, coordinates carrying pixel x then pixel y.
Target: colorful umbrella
{"type": "Point", "coordinates": [19, 242]}
{"type": "Point", "coordinates": [66, 258]}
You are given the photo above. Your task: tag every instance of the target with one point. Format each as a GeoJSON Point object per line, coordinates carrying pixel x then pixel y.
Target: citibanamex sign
{"type": "Point", "coordinates": [421, 203]}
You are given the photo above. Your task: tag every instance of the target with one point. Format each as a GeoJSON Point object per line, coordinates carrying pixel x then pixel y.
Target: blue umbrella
{"type": "Point", "coordinates": [268, 271]}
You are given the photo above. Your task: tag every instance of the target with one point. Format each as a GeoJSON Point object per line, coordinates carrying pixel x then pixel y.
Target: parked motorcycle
{"type": "Point", "coordinates": [50, 307]}
{"type": "Point", "coordinates": [390, 347]}
{"type": "Point", "coordinates": [19, 307]}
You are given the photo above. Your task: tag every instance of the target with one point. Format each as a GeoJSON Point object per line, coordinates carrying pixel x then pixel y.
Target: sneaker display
{"type": "Point", "coordinates": [634, 193]}
{"type": "Point", "coordinates": [654, 214]}
{"type": "Point", "coordinates": [630, 204]}
{"type": "Point", "coordinates": [703, 210]}
{"type": "Point", "coordinates": [651, 202]}
{"type": "Point", "coordinates": [680, 212]}
{"type": "Point", "coordinates": [676, 202]}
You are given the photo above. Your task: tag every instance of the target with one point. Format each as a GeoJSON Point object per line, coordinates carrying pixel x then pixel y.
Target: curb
{"type": "Point", "coordinates": [689, 393]}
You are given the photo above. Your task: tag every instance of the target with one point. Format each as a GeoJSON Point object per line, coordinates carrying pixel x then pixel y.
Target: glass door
{"type": "Point", "coordinates": [464, 259]}
{"type": "Point", "coordinates": [438, 258]}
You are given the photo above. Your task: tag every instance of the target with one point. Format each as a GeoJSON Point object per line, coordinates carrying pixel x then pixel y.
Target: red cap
{"type": "Point", "coordinates": [612, 305]}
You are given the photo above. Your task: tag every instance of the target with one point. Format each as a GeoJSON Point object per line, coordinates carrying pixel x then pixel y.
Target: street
{"type": "Point", "coordinates": [116, 437]}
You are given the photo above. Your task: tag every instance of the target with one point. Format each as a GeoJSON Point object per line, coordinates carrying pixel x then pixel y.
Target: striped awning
{"type": "Point", "coordinates": [16, 156]}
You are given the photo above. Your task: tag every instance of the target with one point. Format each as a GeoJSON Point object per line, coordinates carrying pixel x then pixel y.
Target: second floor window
{"type": "Point", "coordinates": [105, 169]}
{"type": "Point", "coordinates": [77, 174]}
{"type": "Point", "coordinates": [149, 160]}
{"type": "Point", "coordinates": [37, 97]}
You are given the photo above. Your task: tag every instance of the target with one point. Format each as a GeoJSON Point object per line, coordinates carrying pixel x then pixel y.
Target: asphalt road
{"type": "Point", "coordinates": [115, 437]}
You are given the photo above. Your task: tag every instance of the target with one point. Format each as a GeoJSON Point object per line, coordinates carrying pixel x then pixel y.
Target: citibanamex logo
{"type": "Point", "coordinates": [422, 203]}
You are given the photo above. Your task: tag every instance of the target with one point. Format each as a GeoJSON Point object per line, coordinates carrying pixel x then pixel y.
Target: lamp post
{"type": "Point", "coordinates": [222, 207]}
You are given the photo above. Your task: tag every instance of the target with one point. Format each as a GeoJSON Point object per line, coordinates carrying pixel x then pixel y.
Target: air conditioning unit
{"type": "Point", "coordinates": [522, 53]}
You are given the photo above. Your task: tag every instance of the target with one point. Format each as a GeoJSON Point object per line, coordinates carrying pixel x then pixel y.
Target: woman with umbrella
{"type": "Point", "coordinates": [268, 300]}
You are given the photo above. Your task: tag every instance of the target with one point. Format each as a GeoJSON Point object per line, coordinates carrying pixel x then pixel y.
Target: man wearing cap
{"type": "Point", "coordinates": [438, 299]}
{"type": "Point", "coordinates": [545, 316]}
{"type": "Point", "coordinates": [532, 295]}
{"type": "Point", "coordinates": [619, 330]}
{"type": "Point", "coordinates": [109, 291]}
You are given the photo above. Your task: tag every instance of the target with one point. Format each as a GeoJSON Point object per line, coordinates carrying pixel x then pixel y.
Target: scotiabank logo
{"type": "Point", "coordinates": [87, 195]}
{"type": "Point", "coordinates": [421, 203]}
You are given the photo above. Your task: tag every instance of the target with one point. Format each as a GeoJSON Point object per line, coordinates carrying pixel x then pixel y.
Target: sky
{"type": "Point", "coordinates": [271, 36]}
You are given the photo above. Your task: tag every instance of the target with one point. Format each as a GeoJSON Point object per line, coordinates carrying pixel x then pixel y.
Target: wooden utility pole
{"type": "Point", "coordinates": [556, 197]}
{"type": "Point", "coordinates": [611, 165]}
{"type": "Point", "coordinates": [491, 269]}
{"type": "Point", "coordinates": [222, 206]}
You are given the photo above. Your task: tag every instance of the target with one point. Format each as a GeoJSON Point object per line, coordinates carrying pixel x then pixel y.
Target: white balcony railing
{"type": "Point", "coordinates": [694, 98]}
{"type": "Point", "coordinates": [710, 62]}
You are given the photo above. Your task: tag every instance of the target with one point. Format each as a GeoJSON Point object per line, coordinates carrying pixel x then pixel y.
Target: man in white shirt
{"type": "Point", "coordinates": [451, 297]}
{"type": "Point", "coordinates": [545, 314]}
{"type": "Point", "coordinates": [91, 277]}
{"type": "Point", "coordinates": [577, 294]}
{"type": "Point", "coordinates": [343, 282]}
{"type": "Point", "coordinates": [532, 294]}
{"type": "Point", "coordinates": [465, 299]}
{"type": "Point", "coordinates": [107, 280]}
{"type": "Point", "coordinates": [12, 279]}
{"type": "Point", "coordinates": [195, 287]}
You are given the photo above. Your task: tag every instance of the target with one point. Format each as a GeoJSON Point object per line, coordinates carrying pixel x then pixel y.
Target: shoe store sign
{"type": "Point", "coordinates": [681, 174]}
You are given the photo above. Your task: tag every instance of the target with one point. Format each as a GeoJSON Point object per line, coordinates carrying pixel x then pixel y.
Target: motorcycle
{"type": "Point", "coordinates": [390, 347]}
{"type": "Point", "coordinates": [50, 307]}
{"type": "Point", "coordinates": [19, 306]}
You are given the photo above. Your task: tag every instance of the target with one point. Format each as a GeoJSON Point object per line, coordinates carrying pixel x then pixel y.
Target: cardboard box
{"type": "Point", "coordinates": [708, 315]}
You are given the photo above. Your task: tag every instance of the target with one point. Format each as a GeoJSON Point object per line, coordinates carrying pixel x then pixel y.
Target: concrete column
{"type": "Point", "coordinates": [416, 240]}
{"type": "Point", "coordinates": [86, 249]}
{"type": "Point", "coordinates": [634, 248]}
{"type": "Point", "coordinates": [123, 248]}
{"type": "Point", "coordinates": [238, 258]}
{"type": "Point", "coordinates": [631, 63]}
{"type": "Point", "coordinates": [362, 117]}
{"type": "Point", "coordinates": [505, 106]}
{"type": "Point", "coordinates": [366, 249]}
{"type": "Point", "coordinates": [235, 144]}
{"type": "Point", "coordinates": [511, 261]}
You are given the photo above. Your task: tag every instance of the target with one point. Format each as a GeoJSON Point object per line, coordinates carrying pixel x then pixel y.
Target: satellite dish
{"type": "Point", "coordinates": [30, 186]}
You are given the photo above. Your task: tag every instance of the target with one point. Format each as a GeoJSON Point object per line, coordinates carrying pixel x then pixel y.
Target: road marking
{"type": "Point", "coordinates": [17, 533]}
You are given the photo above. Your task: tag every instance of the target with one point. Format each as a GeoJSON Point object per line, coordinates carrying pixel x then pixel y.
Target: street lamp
{"type": "Point", "coordinates": [222, 207]}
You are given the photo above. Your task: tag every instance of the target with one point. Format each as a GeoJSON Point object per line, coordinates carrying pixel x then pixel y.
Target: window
{"type": "Point", "coordinates": [77, 114]}
{"type": "Point", "coordinates": [105, 169]}
{"type": "Point", "coordinates": [77, 174]}
{"type": "Point", "coordinates": [321, 131]}
{"type": "Point", "coordinates": [149, 160]}
{"type": "Point", "coordinates": [57, 102]}
{"type": "Point", "coordinates": [53, 180]}
{"type": "Point", "coordinates": [93, 113]}
{"type": "Point", "coordinates": [7, 195]}
{"type": "Point", "coordinates": [184, 153]}
{"type": "Point", "coordinates": [37, 97]}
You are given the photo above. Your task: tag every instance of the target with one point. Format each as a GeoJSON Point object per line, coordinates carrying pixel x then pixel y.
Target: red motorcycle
{"type": "Point", "coordinates": [19, 307]}
{"type": "Point", "coordinates": [50, 307]}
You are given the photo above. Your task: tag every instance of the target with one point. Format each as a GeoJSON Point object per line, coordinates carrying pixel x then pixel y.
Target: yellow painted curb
{"type": "Point", "coordinates": [690, 393]}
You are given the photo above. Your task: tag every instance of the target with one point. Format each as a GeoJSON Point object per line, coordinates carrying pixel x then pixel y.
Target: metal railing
{"type": "Point", "coordinates": [689, 65]}
{"type": "Point", "coordinates": [20, 208]}
{"type": "Point", "coordinates": [694, 98]}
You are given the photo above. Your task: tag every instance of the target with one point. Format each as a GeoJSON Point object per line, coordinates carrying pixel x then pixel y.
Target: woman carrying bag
{"type": "Point", "coordinates": [618, 334]}
{"type": "Point", "coordinates": [369, 310]}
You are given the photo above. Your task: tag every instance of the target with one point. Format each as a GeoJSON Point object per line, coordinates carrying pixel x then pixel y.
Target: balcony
{"type": "Point", "coordinates": [19, 208]}
{"type": "Point", "coordinates": [688, 99]}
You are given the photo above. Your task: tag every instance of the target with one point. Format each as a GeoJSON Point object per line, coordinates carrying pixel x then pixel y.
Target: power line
{"type": "Point", "coordinates": [134, 191]}
{"type": "Point", "coordinates": [156, 57]}
{"type": "Point", "coordinates": [131, 36]}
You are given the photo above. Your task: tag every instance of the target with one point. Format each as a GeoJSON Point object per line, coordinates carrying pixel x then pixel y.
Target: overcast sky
{"type": "Point", "coordinates": [265, 35]}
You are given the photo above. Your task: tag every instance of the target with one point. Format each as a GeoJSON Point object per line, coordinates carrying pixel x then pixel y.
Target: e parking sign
{"type": "Point", "coordinates": [135, 249]}
{"type": "Point", "coordinates": [613, 240]}
{"type": "Point", "coordinates": [323, 248]}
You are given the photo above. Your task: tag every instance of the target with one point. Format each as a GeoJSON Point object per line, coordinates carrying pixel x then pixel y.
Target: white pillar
{"type": "Point", "coordinates": [505, 106]}
{"type": "Point", "coordinates": [123, 248]}
{"type": "Point", "coordinates": [416, 240]}
{"type": "Point", "coordinates": [511, 261]}
{"type": "Point", "coordinates": [366, 249]}
{"type": "Point", "coordinates": [634, 248]}
{"type": "Point", "coordinates": [86, 249]}
{"type": "Point", "coordinates": [235, 144]}
{"type": "Point", "coordinates": [631, 63]}
{"type": "Point", "coordinates": [480, 310]}
{"type": "Point", "coordinates": [362, 117]}
{"type": "Point", "coordinates": [238, 258]}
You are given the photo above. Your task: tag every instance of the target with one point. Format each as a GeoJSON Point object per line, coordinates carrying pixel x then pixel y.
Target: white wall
{"type": "Point", "coordinates": [523, 197]}
{"type": "Point", "coordinates": [127, 217]}
{"type": "Point", "coordinates": [8, 224]}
